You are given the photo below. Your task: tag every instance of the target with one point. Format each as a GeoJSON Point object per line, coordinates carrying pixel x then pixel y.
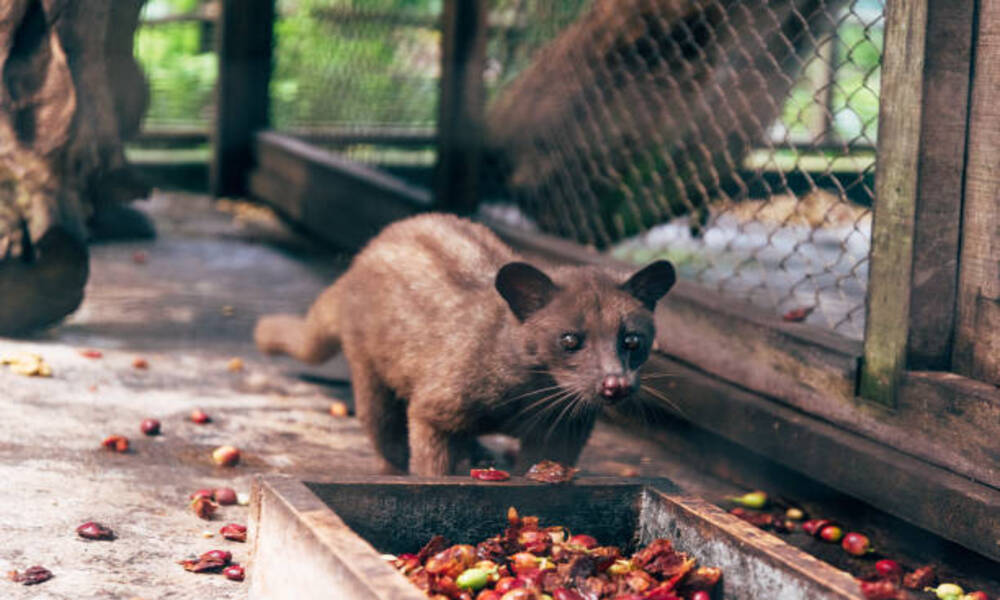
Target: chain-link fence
{"type": "Point", "coordinates": [735, 138]}
{"type": "Point", "coordinates": [360, 79]}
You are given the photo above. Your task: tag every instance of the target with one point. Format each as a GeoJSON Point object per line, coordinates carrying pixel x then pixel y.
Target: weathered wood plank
{"type": "Point", "coordinates": [944, 419]}
{"type": "Point", "coordinates": [341, 201]}
{"type": "Point", "coordinates": [950, 505]}
{"type": "Point", "coordinates": [712, 467]}
{"type": "Point", "coordinates": [977, 336]}
{"type": "Point", "coordinates": [275, 148]}
{"type": "Point", "coordinates": [462, 105]}
{"type": "Point", "coordinates": [947, 62]}
{"type": "Point", "coordinates": [900, 109]}
{"type": "Point", "coordinates": [244, 52]}
{"type": "Point", "coordinates": [173, 136]}
{"type": "Point", "coordinates": [388, 136]}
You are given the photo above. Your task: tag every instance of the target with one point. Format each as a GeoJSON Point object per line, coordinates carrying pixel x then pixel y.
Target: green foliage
{"type": "Point", "coordinates": [858, 80]}
{"type": "Point", "coordinates": [854, 100]}
{"type": "Point", "coordinates": [180, 71]}
{"type": "Point", "coordinates": [337, 62]}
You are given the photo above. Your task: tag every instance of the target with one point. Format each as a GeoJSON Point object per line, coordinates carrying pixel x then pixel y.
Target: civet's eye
{"type": "Point", "coordinates": [570, 341]}
{"type": "Point", "coordinates": [632, 341]}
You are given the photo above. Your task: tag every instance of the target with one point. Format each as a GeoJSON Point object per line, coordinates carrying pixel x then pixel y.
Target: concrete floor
{"type": "Point", "coordinates": [169, 311]}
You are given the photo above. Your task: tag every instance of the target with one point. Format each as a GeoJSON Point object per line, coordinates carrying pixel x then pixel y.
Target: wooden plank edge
{"type": "Point", "coordinates": [793, 563]}
{"type": "Point", "coordinates": [317, 157]}
{"type": "Point", "coordinates": [336, 200]}
{"type": "Point", "coordinates": [385, 136]}
{"type": "Point", "coordinates": [933, 498]}
{"type": "Point", "coordinates": [181, 135]}
{"type": "Point", "coordinates": [359, 565]}
{"type": "Point", "coordinates": [976, 350]}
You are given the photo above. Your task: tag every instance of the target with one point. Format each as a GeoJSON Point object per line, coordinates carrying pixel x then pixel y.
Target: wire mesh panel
{"type": "Point", "coordinates": [360, 77]}
{"type": "Point", "coordinates": [735, 138]}
{"type": "Point", "coordinates": [518, 29]}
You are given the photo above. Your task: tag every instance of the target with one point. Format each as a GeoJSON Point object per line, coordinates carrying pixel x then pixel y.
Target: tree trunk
{"type": "Point", "coordinates": [71, 93]}
{"type": "Point", "coordinates": [644, 109]}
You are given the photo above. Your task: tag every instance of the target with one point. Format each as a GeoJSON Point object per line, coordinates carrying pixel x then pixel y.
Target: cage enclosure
{"type": "Point", "coordinates": [806, 165]}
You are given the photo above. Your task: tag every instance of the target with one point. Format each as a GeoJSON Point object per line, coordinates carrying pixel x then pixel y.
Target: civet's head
{"type": "Point", "coordinates": [589, 331]}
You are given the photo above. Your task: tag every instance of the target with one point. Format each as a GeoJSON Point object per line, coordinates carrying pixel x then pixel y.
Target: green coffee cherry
{"type": "Point", "coordinates": [473, 579]}
{"type": "Point", "coordinates": [947, 591]}
{"type": "Point", "coordinates": [757, 499]}
{"type": "Point", "coordinates": [620, 567]}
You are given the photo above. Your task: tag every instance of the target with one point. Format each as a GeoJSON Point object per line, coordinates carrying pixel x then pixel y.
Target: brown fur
{"type": "Point", "coordinates": [444, 345]}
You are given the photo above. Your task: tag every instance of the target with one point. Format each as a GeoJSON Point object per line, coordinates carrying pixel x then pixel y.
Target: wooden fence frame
{"type": "Point", "coordinates": [918, 440]}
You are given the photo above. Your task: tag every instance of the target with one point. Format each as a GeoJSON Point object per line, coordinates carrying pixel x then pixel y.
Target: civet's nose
{"type": "Point", "coordinates": [614, 387]}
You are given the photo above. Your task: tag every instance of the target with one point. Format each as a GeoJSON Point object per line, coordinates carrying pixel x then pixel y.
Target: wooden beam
{"type": "Point", "coordinates": [950, 505]}
{"type": "Point", "coordinates": [712, 467]}
{"type": "Point", "coordinates": [977, 336]}
{"type": "Point", "coordinates": [461, 106]}
{"type": "Point", "coordinates": [889, 279]}
{"type": "Point", "coordinates": [379, 136]}
{"type": "Point", "coordinates": [175, 136]}
{"type": "Point", "coordinates": [340, 201]}
{"type": "Point", "coordinates": [947, 64]}
{"type": "Point", "coordinates": [245, 37]}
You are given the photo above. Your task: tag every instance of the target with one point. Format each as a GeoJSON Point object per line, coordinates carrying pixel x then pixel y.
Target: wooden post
{"type": "Point", "coordinates": [889, 279]}
{"type": "Point", "coordinates": [947, 63]}
{"type": "Point", "coordinates": [461, 107]}
{"type": "Point", "coordinates": [977, 334]}
{"type": "Point", "coordinates": [244, 41]}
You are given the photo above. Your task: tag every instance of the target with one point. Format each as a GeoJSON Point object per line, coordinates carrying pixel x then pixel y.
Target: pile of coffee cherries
{"type": "Point", "coordinates": [531, 562]}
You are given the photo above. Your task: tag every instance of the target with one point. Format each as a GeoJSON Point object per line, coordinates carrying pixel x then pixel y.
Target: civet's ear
{"type": "Point", "coordinates": [651, 283]}
{"type": "Point", "coordinates": [525, 288]}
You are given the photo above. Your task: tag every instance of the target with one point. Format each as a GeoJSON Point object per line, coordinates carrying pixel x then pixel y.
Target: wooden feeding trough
{"type": "Point", "coordinates": [324, 539]}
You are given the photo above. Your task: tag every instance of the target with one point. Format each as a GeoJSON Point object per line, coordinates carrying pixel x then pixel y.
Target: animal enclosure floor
{"type": "Point", "coordinates": [187, 309]}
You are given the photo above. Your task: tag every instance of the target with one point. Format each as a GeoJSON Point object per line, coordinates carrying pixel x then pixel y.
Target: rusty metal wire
{"type": "Point", "coordinates": [734, 137]}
